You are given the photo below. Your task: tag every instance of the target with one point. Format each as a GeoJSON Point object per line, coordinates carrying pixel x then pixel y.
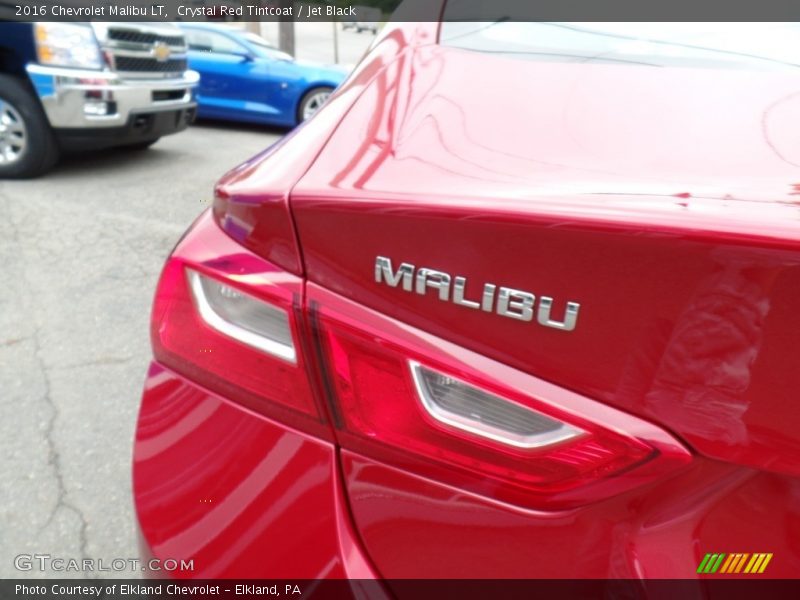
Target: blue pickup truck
{"type": "Point", "coordinates": [67, 86]}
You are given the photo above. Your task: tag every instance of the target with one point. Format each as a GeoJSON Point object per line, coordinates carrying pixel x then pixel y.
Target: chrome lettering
{"type": "Point", "coordinates": [515, 304]}
{"type": "Point", "coordinates": [435, 279]}
{"type": "Point", "coordinates": [384, 272]}
{"type": "Point", "coordinates": [570, 314]}
{"type": "Point", "coordinates": [487, 302]}
{"type": "Point", "coordinates": [459, 285]}
{"type": "Point", "coordinates": [506, 302]}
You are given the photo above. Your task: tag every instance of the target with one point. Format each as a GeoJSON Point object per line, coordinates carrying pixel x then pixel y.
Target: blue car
{"type": "Point", "coordinates": [243, 78]}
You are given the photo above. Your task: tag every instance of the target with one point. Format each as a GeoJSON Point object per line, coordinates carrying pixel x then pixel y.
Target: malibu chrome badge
{"type": "Point", "coordinates": [505, 301]}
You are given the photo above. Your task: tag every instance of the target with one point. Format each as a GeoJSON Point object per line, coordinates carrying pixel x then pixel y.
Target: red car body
{"type": "Point", "coordinates": [663, 201]}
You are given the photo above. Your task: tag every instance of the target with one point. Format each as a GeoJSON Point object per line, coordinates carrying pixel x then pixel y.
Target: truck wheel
{"type": "Point", "coordinates": [312, 102]}
{"type": "Point", "coordinates": [27, 145]}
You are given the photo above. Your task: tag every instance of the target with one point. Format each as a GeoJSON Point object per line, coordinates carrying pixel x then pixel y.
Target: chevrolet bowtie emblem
{"type": "Point", "coordinates": [161, 51]}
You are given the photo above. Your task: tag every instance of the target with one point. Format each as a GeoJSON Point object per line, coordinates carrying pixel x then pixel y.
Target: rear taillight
{"type": "Point", "coordinates": [240, 326]}
{"type": "Point", "coordinates": [418, 402]}
{"type": "Point", "coordinates": [232, 322]}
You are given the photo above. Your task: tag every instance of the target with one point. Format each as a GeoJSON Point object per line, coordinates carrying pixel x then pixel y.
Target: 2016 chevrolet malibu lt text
{"type": "Point", "coordinates": [521, 301]}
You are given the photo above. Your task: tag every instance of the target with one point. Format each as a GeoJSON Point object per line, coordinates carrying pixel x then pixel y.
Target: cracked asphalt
{"type": "Point", "coordinates": [80, 253]}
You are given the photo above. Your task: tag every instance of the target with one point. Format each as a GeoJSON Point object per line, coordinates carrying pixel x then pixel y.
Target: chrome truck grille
{"type": "Point", "coordinates": [141, 51]}
{"type": "Point", "coordinates": [135, 64]}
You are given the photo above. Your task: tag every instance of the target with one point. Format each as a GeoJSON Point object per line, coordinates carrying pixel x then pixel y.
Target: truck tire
{"type": "Point", "coordinates": [27, 145]}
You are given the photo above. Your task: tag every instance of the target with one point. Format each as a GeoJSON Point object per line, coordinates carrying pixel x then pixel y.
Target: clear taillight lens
{"type": "Point", "coordinates": [232, 322]}
{"type": "Point", "coordinates": [240, 316]}
{"type": "Point", "coordinates": [470, 409]}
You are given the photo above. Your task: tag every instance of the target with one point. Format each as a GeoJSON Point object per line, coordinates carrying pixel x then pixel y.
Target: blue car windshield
{"type": "Point", "coordinates": [758, 46]}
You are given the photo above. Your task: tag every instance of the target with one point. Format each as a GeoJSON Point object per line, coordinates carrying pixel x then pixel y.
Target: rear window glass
{"type": "Point", "coordinates": [711, 45]}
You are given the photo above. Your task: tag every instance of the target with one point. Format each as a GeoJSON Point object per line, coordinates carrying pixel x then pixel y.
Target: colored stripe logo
{"type": "Point", "coordinates": [735, 562]}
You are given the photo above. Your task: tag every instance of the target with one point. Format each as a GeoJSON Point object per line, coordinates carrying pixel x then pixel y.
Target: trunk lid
{"type": "Point", "coordinates": [664, 202]}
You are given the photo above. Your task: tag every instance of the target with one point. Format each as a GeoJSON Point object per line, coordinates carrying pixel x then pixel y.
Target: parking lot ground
{"type": "Point", "coordinates": [80, 254]}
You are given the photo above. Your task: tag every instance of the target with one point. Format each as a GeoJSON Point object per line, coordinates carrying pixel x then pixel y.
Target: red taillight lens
{"type": "Point", "coordinates": [228, 320]}
{"type": "Point", "coordinates": [408, 398]}
{"type": "Point", "coordinates": [236, 324]}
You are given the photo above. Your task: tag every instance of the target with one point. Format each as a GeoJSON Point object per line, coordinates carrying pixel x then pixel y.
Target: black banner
{"type": "Point", "coordinates": [400, 10]}
{"type": "Point", "coordinates": [707, 588]}
{"type": "Point", "coordinates": [199, 10]}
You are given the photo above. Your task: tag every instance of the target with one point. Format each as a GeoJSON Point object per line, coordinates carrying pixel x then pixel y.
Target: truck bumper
{"type": "Point", "coordinates": [79, 99]}
{"type": "Point", "coordinates": [141, 127]}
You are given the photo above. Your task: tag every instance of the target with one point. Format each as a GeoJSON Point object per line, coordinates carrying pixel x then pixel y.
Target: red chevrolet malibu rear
{"type": "Point", "coordinates": [520, 302]}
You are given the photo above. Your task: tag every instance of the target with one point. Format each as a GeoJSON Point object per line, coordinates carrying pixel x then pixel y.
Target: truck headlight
{"type": "Point", "coordinates": [67, 45]}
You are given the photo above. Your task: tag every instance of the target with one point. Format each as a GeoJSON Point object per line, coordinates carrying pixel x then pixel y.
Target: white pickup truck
{"type": "Point", "coordinates": [67, 86]}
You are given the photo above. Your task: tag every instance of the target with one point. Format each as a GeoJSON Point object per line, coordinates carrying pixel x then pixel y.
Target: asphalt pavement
{"type": "Point", "coordinates": [80, 254]}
